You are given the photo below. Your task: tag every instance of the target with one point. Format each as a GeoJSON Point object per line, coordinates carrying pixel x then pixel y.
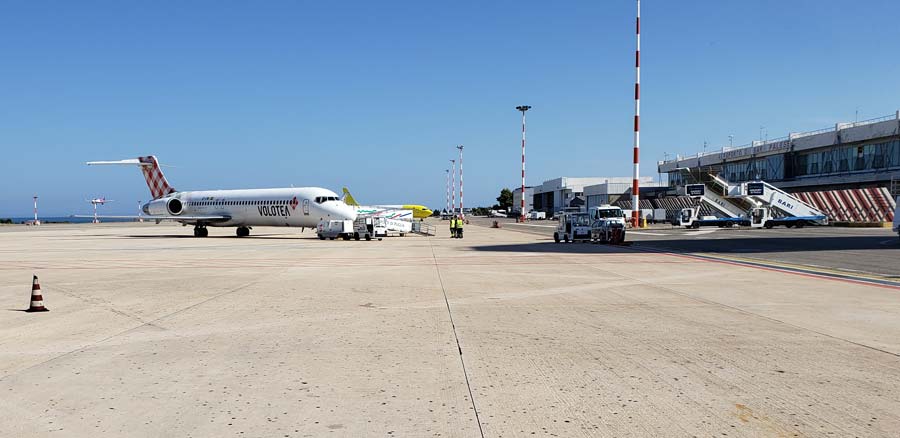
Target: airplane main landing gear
{"type": "Point", "coordinates": [200, 231]}
{"type": "Point", "coordinates": [243, 231]}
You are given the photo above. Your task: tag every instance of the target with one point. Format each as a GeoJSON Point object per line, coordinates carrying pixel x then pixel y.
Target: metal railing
{"type": "Point", "coordinates": [792, 136]}
{"type": "Point", "coordinates": [423, 228]}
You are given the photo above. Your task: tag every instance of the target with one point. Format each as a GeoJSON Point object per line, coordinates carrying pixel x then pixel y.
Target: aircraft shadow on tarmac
{"type": "Point", "coordinates": [734, 246]}
{"type": "Point", "coordinates": [188, 236]}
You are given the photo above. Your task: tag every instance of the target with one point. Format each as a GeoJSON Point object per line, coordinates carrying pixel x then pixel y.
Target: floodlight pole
{"type": "Point", "coordinates": [453, 187]}
{"type": "Point", "coordinates": [461, 204]}
{"type": "Point", "coordinates": [523, 108]}
{"type": "Point", "coordinates": [447, 206]}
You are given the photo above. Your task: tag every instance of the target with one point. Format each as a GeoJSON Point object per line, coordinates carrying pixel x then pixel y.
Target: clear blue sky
{"type": "Point", "coordinates": [374, 95]}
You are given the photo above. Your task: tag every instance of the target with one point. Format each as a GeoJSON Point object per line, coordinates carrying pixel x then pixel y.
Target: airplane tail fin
{"type": "Point", "coordinates": [156, 181]}
{"type": "Point", "coordinates": [348, 198]}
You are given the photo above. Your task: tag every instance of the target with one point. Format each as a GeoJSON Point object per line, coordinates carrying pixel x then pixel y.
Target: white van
{"type": "Point", "coordinates": [333, 229]}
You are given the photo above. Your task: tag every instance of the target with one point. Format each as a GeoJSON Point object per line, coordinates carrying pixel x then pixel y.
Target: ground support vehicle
{"type": "Point", "coordinates": [333, 229]}
{"type": "Point", "coordinates": [762, 217]}
{"type": "Point", "coordinates": [756, 204]}
{"type": "Point", "coordinates": [573, 227]}
{"type": "Point", "coordinates": [537, 215]}
{"type": "Point", "coordinates": [659, 216]}
{"type": "Point", "coordinates": [776, 207]}
{"type": "Point", "coordinates": [367, 227]}
{"type": "Point", "coordinates": [608, 231]}
{"type": "Point", "coordinates": [610, 212]}
{"type": "Point", "coordinates": [690, 218]}
{"type": "Point", "coordinates": [398, 226]}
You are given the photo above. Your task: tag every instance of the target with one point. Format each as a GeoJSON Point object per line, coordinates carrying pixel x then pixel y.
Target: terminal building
{"type": "Point", "coordinates": [851, 171]}
{"type": "Point", "coordinates": [576, 192]}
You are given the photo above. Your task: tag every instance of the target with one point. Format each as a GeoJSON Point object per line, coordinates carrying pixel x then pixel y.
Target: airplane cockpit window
{"type": "Point", "coordinates": [321, 199]}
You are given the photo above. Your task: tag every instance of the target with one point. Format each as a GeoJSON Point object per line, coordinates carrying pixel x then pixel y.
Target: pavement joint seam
{"type": "Point", "coordinates": [462, 361]}
{"type": "Point", "coordinates": [149, 323]}
{"type": "Point", "coordinates": [105, 305]}
{"type": "Point", "coordinates": [746, 312]}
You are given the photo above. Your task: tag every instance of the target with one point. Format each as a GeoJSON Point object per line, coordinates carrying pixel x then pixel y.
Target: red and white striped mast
{"type": "Point", "coordinates": [453, 187]}
{"type": "Point", "coordinates": [461, 204]}
{"type": "Point", "coordinates": [36, 221]}
{"type": "Point", "coordinates": [635, 184]}
{"type": "Point", "coordinates": [523, 108]}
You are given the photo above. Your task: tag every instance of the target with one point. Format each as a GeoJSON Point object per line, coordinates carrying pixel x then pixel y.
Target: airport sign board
{"type": "Point", "coordinates": [755, 189]}
{"type": "Point", "coordinates": [695, 189]}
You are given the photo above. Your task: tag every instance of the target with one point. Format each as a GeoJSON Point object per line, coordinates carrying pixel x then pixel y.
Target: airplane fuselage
{"type": "Point", "coordinates": [290, 207]}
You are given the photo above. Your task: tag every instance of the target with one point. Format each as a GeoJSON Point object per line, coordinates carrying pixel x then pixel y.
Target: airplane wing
{"type": "Point", "coordinates": [209, 218]}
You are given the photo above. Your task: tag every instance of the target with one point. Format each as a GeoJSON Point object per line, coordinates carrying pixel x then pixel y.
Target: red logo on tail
{"type": "Point", "coordinates": [157, 183]}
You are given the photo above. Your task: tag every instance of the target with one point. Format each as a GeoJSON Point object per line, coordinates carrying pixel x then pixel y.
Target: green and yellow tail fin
{"type": "Point", "coordinates": [348, 198]}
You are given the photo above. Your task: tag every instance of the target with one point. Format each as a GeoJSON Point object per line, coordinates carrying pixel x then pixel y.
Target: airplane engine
{"type": "Point", "coordinates": [164, 207]}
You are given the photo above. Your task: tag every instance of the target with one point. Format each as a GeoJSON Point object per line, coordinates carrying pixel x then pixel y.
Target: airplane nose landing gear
{"type": "Point", "coordinates": [200, 231]}
{"type": "Point", "coordinates": [243, 231]}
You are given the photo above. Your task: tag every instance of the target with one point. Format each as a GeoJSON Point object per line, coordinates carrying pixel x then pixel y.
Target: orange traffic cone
{"type": "Point", "coordinates": [37, 300]}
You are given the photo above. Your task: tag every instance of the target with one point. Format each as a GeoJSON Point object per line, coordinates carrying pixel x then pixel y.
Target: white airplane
{"type": "Point", "coordinates": [285, 207]}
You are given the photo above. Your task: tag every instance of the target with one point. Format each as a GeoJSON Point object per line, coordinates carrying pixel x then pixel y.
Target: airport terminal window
{"type": "Point", "coordinates": [874, 156]}
{"type": "Point", "coordinates": [894, 154]}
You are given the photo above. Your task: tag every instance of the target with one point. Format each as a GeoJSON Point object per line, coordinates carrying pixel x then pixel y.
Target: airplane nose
{"type": "Point", "coordinates": [344, 211]}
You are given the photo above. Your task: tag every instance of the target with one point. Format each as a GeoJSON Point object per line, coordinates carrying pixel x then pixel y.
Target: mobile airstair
{"type": "Point", "coordinates": [729, 211]}
{"type": "Point", "coordinates": [777, 207]}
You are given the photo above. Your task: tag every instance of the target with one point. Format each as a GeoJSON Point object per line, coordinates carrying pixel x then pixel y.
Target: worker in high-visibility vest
{"type": "Point", "coordinates": [452, 226]}
{"type": "Point", "coordinates": [459, 227]}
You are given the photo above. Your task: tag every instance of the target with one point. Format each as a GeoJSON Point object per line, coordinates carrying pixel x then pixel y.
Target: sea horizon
{"type": "Point", "coordinates": [61, 219]}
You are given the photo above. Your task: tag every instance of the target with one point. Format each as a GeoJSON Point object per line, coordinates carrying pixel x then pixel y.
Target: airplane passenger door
{"type": "Point", "coordinates": [306, 207]}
